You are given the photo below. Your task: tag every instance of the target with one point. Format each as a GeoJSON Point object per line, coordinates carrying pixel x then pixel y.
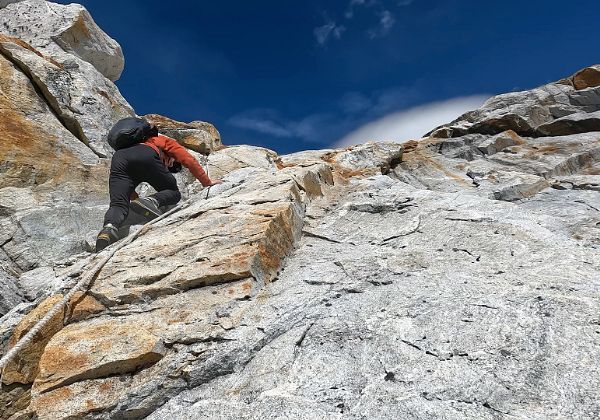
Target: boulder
{"type": "Point", "coordinates": [85, 102]}
{"type": "Point", "coordinates": [199, 136]}
{"type": "Point", "coordinates": [380, 157]}
{"type": "Point", "coordinates": [571, 124]}
{"type": "Point", "coordinates": [586, 78]}
{"type": "Point", "coordinates": [229, 159]}
{"type": "Point", "coordinates": [56, 28]}
{"type": "Point", "coordinates": [103, 348]}
{"type": "Point", "coordinates": [499, 142]}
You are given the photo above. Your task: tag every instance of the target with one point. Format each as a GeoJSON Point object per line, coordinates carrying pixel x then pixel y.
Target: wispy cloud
{"type": "Point", "coordinates": [330, 29]}
{"type": "Point", "coordinates": [386, 22]}
{"type": "Point", "coordinates": [381, 10]}
{"type": "Point", "coordinates": [412, 123]}
{"type": "Point", "coordinates": [357, 117]}
{"type": "Point", "coordinates": [269, 121]}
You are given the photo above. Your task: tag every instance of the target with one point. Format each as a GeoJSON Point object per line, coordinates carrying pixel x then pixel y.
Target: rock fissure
{"type": "Point", "coordinates": [71, 124]}
{"type": "Point", "coordinates": [286, 290]}
{"type": "Point", "coordinates": [310, 234]}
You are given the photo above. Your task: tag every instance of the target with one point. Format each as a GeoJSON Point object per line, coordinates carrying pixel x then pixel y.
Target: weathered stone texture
{"type": "Point", "coordinates": [199, 136]}
{"type": "Point", "coordinates": [533, 112]}
{"type": "Point", "coordinates": [56, 29]}
{"type": "Point", "coordinates": [24, 368]}
{"type": "Point", "coordinates": [86, 103]}
{"type": "Point", "coordinates": [95, 349]}
{"type": "Point", "coordinates": [588, 77]}
{"type": "Point", "coordinates": [455, 277]}
{"type": "Point", "coordinates": [11, 294]}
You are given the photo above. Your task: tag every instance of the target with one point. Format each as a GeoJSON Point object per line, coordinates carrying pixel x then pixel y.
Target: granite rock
{"type": "Point", "coordinates": [11, 293]}
{"type": "Point", "coordinates": [531, 113]}
{"type": "Point", "coordinates": [199, 136]}
{"type": "Point", "coordinates": [55, 29]}
{"type": "Point", "coordinates": [452, 277]}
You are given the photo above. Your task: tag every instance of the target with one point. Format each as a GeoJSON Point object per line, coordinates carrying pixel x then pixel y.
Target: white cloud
{"type": "Point", "coordinates": [412, 123]}
{"type": "Point", "coordinates": [269, 121]}
{"type": "Point", "coordinates": [260, 125]}
{"type": "Point", "coordinates": [322, 33]}
{"type": "Point", "coordinates": [386, 22]}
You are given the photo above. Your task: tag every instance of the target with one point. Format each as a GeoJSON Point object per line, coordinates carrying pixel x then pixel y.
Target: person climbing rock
{"type": "Point", "coordinates": [143, 155]}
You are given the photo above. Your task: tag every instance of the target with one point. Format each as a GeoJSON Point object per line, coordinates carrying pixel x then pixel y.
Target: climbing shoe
{"type": "Point", "coordinates": [147, 207]}
{"type": "Point", "coordinates": [108, 235]}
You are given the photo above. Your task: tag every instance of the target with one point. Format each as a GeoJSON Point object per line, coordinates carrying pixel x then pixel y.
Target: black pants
{"type": "Point", "coordinates": [130, 167]}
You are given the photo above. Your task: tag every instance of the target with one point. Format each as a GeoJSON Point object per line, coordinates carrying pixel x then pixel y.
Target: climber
{"type": "Point", "coordinates": [149, 157]}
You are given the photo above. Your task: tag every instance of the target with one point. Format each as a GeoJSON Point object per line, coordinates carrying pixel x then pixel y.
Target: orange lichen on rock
{"type": "Point", "coordinates": [586, 78]}
{"type": "Point", "coordinates": [24, 367]}
{"type": "Point", "coordinates": [95, 349]}
{"type": "Point", "coordinates": [79, 399]}
{"type": "Point", "coordinates": [410, 146]}
{"type": "Point", "coordinates": [31, 155]}
{"type": "Point", "coordinates": [23, 44]}
{"type": "Point", "coordinates": [278, 240]}
{"type": "Point", "coordinates": [82, 306]}
{"type": "Point", "coordinates": [516, 138]}
{"type": "Point", "coordinates": [422, 157]}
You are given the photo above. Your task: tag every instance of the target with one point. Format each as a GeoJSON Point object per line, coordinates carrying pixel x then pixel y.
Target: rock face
{"type": "Point", "coordinates": [544, 111]}
{"type": "Point", "coordinates": [11, 294]}
{"type": "Point", "coordinates": [455, 277]}
{"type": "Point", "coordinates": [57, 105]}
{"type": "Point", "coordinates": [70, 61]}
{"type": "Point", "coordinates": [45, 169]}
{"type": "Point", "coordinates": [199, 136]}
{"type": "Point", "coordinates": [56, 109]}
{"type": "Point", "coordinates": [56, 29]}
{"type": "Point", "coordinates": [445, 278]}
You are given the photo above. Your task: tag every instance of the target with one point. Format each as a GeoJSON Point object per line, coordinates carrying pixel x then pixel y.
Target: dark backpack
{"type": "Point", "coordinates": [130, 131]}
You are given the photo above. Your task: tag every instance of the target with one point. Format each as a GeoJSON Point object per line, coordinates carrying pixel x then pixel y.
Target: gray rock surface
{"type": "Point", "coordinates": [39, 282]}
{"type": "Point", "coordinates": [375, 297]}
{"type": "Point", "coordinates": [55, 29]}
{"type": "Point", "coordinates": [11, 295]}
{"type": "Point", "coordinates": [370, 321]}
{"type": "Point", "coordinates": [86, 102]}
{"type": "Point", "coordinates": [455, 277]}
{"type": "Point", "coordinates": [572, 124]}
{"type": "Point", "coordinates": [57, 108]}
{"type": "Point", "coordinates": [199, 136]}
{"type": "Point", "coordinates": [4, 3]}
{"type": "Point", "coordinates": [532, 112]}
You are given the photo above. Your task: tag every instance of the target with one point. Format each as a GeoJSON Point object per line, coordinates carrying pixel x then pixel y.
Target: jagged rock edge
{"type": "Point", "coordinates": [71, 124]}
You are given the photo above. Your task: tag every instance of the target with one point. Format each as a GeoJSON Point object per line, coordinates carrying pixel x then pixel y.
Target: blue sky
{"type": "Point", "coordinates": [295, 75]}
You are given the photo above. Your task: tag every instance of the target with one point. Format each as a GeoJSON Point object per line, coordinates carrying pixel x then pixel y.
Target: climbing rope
{"type": "Point", "coordinates": [84, 283]}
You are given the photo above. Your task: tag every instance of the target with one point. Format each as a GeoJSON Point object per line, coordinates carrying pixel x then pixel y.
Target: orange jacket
{"type": "Point", "coordinates": [169, 149]}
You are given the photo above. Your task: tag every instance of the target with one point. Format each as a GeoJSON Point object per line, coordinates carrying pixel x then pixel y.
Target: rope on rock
{"type": "Point", "coordinates": [84, 283]}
